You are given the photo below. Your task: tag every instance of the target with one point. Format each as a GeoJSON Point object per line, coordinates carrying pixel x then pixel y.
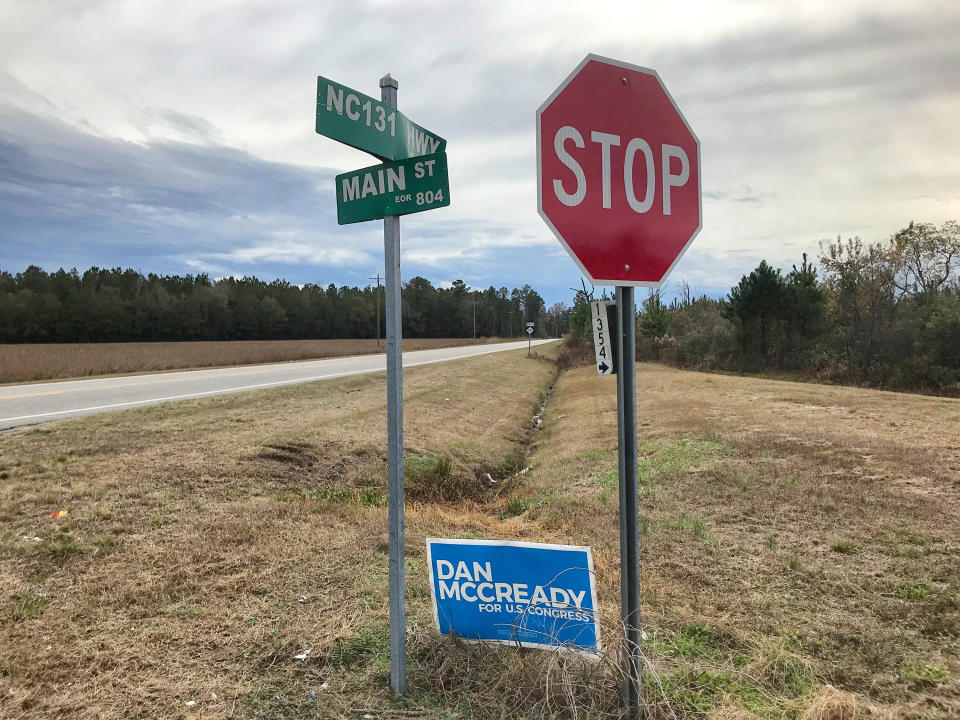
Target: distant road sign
{"type": "Point", "coordinates": [618, 173]}
{"type": "Point", "coordinates": [393, 188]}
{"type": "Point", "coordinates": [368, 124]}
{"type": "Point", "coordinates": [529, 330]}
{"type": "Point", "coordinates": [516, 593]}
{"type": "Point", "coordinates": [602, 347]}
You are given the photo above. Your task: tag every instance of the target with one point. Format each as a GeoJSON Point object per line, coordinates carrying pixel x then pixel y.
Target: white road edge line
{"type": "Point", "coordinates": [226, 391]}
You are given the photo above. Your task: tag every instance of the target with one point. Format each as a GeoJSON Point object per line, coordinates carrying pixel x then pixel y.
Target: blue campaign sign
{"type": "Point", "coordinates": [527, 594]}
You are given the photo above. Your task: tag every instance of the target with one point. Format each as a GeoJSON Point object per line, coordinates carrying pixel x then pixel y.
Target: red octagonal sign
{"type": "Point", "coordinates": [618, 173]}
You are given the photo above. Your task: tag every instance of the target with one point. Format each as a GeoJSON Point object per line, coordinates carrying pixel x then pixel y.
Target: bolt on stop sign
{"type": "Point", "coordinates": [618, 173]}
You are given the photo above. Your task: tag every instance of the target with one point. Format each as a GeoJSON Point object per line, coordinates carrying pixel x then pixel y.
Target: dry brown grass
{"type": "Point", "coordinates": [820, 521]}
{"type": "Point", "coordinates": [209, 542]}
{"type": "Point", "coordinates": [26, 363]}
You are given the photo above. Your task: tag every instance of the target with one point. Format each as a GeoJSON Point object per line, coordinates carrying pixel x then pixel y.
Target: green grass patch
{"type": "Point", "coordinates": [27, 606]}
{"type": "Point", "coordinates": [924, 674]}
{"type": "Point", "coordinates": [665, 458]}
{"type": "Point", "coordinates": [700, 691]}
{"type": "Point", "coordinates": [697, 640]}
{"type": "Point", "coordinates": [370, 646]}
{"type": "Point", "coordinates": [660, 459]}
{"type": "Point", "coordinates": [426, 468]}
{"type": "Point", "coordinates": [691, 523]}
{"type": "Point", "coordinates": [919, 591]}
{"type": "Point", "coordinates": [516, 506]}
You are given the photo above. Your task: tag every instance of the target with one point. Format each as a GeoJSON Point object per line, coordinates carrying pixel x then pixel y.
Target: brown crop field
{"type": "Point", "coordinates": [26, 363]}
{"type": "Point", "coordinates": [800, 548]}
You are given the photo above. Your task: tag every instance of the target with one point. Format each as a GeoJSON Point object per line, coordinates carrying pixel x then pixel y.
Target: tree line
{"type": "Point", "coordinates": [885, 314]}
{"type": "Point", "coordinates": [117, 305]}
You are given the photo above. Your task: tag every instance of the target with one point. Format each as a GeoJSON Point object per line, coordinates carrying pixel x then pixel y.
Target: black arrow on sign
{"type": "Point", "coordinates": [603, 367]}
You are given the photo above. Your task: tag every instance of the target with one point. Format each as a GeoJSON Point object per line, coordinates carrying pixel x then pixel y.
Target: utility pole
{"type": "Point", "coordinates": [377, 278]}
{"type": "Point", "coordinates": [474, 319]}
{"type": "Point", "coordinates": [510, 315]}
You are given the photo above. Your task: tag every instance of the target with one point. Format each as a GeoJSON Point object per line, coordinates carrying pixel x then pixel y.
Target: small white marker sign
{"type": "Point", "coordinates": [601, 337]}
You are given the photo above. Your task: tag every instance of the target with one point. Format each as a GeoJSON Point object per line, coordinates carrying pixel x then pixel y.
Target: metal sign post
{"type": "Point", "coordinates": [618, 238]}
{"type": "Point", "coordinates": [629, 495]}
{"type": "Point", "coordinates": [377, 278]}
{"type": "Point", "coordinates": [413, 178]}
{"type": "Point", "coordinates": [398, 613]}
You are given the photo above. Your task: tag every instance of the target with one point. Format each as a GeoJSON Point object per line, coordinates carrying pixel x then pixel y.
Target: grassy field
{"type": "Point", "coordinates": [800, 547]}
{"type": "Point", "coordinates": [26, 363]}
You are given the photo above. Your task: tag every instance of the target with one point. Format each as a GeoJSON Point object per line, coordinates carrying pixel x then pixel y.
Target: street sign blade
{"type": "Point", "coordinates": [601, 337]}
{"type": "Point", "coordinates": [368, 124]}
{"type": "Point", "coordinates": [393, 188]}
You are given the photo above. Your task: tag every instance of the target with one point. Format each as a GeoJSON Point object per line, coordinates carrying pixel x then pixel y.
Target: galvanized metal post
{"type": "Point", "coordinates": [377, 296]}
{"type": "Point", "coordinates": [398, 614]}
{"type": "Point", "coordinates": [629, 496]}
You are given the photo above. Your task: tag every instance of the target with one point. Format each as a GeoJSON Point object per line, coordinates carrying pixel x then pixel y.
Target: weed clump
{"type": "Point", "coordinates": [924, 674]}
{"type": "Point", "coordinates": [27, 606]}
{"type": "Point", "coordinates": [430, 478]}
{"type": "Point", "coordinates": [844, 546]}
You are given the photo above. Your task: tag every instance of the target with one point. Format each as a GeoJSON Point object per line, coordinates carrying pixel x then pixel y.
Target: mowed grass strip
{"type": "Point", "coordinates": [21, 363]}
{"type": "Point", "coordinates": [209, 543]}
{"type": "Point", "coordinates": [800, 543]}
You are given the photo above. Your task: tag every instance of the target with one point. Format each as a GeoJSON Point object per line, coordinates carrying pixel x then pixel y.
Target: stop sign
{"type": "Point", "coordinates": [618, 173]}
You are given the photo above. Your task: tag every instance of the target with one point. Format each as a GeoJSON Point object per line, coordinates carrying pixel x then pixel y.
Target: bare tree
{"type": "Point", "coordinates": [924, 257]}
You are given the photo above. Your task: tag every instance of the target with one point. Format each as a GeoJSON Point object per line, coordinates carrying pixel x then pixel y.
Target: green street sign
{"type": "Point", "coordinates": [393, 188]}
{"type": "Point", "coordinates": [367, 124]}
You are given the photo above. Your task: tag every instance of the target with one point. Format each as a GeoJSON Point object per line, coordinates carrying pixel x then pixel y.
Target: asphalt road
{"type": "Point", "coordinates": [43, 402]}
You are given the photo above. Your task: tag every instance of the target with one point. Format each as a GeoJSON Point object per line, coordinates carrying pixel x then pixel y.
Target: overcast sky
{"type": "Point", "coordinates": [177, 137]}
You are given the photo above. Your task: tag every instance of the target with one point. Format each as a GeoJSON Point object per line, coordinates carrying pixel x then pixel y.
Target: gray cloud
{"type": "Point", "coordinates": [74, 198]}
{"type": "Point", "coordinates": [814, 120]}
